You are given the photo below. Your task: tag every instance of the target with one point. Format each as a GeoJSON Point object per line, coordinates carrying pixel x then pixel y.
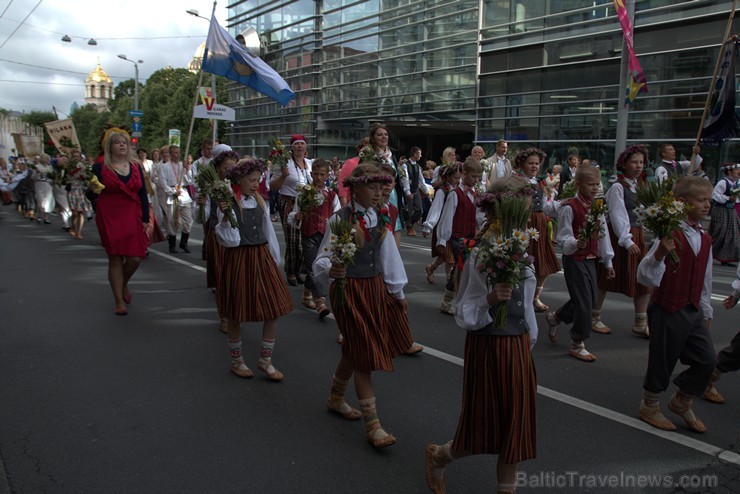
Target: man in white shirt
{"type": "Point", "coordinates": [669, 165]}
{"type": "Point", "coordinates": [500, 164]}
{"type": "Point", "coordinates": [172, 177]}
{"type": "Point", "coordinates": [413, 185]}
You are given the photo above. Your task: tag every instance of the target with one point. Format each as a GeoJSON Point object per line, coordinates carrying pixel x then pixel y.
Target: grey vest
{"type": "Point", "coordinates": [630, 203]}
{"type": "Point", "coordinates": [537, 198]}
{"type": "Point", "coordinates": [516, 324]}
{"type": "Point", "coordinates": [367, 259]}
{"type": "Point", "coordinates": [250, 226]}
{"type": "Point", "coordinates": [413, 169]}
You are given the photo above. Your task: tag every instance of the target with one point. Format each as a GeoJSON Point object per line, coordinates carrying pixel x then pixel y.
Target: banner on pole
{"type": "Point", "coordinates": [63, 135]}
{"type": "Point", "coordinates": [722, 120]}
{"type": "Point", "coordinates": [638, 81]}
{"type": "Point", "coordinates": [174, 137]}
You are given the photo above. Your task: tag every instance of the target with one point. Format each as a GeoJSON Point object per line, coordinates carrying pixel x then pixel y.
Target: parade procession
{"type": "Point", "coordinates": [370, 246]}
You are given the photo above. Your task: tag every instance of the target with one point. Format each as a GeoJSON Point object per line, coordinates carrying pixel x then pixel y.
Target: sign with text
{"type": "Point", "coordinates": [63, 134]}
{"type": "Point", "coordinates": [216, 112]}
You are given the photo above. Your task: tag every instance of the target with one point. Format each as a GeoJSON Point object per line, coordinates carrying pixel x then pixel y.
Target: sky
{"type": "Point", "coordinates": [37, 42]}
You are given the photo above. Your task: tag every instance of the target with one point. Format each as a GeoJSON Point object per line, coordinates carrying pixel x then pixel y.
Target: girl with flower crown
{"type": "Point", "coordinates": [450, 176]}
{"type": "Point", "coordinates": [378, 139]}
{"type": "Point", "coordinates": [498, 413]}
{"type": "Point", "coordinates": [250, 286]}
{"type": "Point", "coordinates": [372, 317]}
{"type": "Point", "coordinates": [725, 224]}
{"type": "Point", "coordinates": [628, 241]}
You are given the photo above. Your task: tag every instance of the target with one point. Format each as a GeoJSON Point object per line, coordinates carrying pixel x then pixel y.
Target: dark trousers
{"type": "Point", "coordinates": [206, 229]}
{"type": "Point", "coordinates": [728, 359]}
{"type": "Point", "coordinates": [414, 209]}
{"type": "Point", "coordinates": [274, 199]}
{"type": "Point", "coordinates": [675, 336]}
{"type": "Point", "coordinates": [580, 278]}
{"type": "Point", "coordinates": [456, 250]}
{"type": "Point", "coordinates": [310, 252]}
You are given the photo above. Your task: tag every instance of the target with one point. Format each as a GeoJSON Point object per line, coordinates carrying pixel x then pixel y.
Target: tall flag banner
{"type": "Point", "coordinates": [63, 135]}
{"type": "Point", "coordinates": [226, 57]}
{"type": "Point", "coordinates": [722, 120]}
{"type": "Point", "coordinates": [638, 81]}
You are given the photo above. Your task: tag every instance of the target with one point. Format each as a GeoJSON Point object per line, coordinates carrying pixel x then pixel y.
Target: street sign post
{"type": "Point", "coordinates": [135, 113]}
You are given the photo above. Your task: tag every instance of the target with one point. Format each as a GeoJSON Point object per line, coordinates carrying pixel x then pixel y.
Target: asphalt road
{"type": "Point", "coordinates": [91, 402]}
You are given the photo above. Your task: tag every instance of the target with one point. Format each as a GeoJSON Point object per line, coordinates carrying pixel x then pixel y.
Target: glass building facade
{"type": "Point", "coordinates": [458, 72]}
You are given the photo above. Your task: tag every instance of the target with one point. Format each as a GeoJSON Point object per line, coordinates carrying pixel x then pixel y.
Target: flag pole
{"type": "Point", "coordinates": [725, 39]}
{"type": "Point", "coordinates": [623, 109]}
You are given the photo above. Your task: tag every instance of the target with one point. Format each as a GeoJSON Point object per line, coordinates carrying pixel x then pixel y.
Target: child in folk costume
{"type": "Point", "coordinates": [222, 162]}
{"type": "Point", "coordinates": [459, 222]}
{"type": "Point", "coordinates": [450, 176]}
{"type": "Point", "coordinates": [728, 359]}
{"type": "Point", "coordinates": [725, 225]}
{"type": "Point", "coordinates": [312, 225]}
{"type": "Point", "coordinates": [250, 286]}
{"type": "Point", "coordinates": [680, 311]}
{"type": "Point", "coordinates": [498, 413]}
{"type": "Point", "coordinates": [372, 316]}
{"type": "Point", "coordinates": [528, 163]}
{"type": "Point", "coordinates": [78, 203]}
{"type": "Point", "coordinates": [628, 242]}
{"type": "Point", "coordinates": [579, 263]}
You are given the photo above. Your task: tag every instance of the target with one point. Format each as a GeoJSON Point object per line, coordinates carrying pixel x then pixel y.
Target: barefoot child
{"type": "Point", "coordinates": [498, 413]}
{"type": "Point", "coordinates": [251, 287]}
{"type": "Point", "coordinates": [680, 312]}
{"type": "Point", "coordinates": [372, 316]}
{"type": "Point", "coordinates": [579, 263]}
{"type": "Point", "coordinates": [628, 242]}
{"type": "Point", "coordinates": [312, 225]}
{"type": "Point", "coordinates": [450, 175]}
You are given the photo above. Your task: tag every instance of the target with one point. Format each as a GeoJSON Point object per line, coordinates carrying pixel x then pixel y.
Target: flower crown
{"type": "Point", "coordinates": [488, 198]}
{"type": "Point", "coordinates": [450, 168]}
{"type": "Point", "coordinates": [245, 167]}
{"type": "Point", "coordinates": [726, 167]}
{"type": "Point", "coordinates": [629, 151]}
{"type": "Point", "coordinates": [366, 179]}
{"type": "Point", "coordinates": [112, 130]}
{"type": "Point", "coordinates": [523, 156]}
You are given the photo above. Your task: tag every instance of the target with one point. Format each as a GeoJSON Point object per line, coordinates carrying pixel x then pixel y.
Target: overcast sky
{"type": "Point", "coordinates": [38, 42]}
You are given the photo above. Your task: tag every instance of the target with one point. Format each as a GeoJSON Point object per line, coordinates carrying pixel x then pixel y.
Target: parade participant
{"type": "Point", "coordinates": [42, 189]}
{"type": "Point", "coordinates": [122, 213]}
{"type": "Point", "coordinates": [224, 159]}
{"type": "Point", "coordinates": [378, 139]}
{"type": "Point", "coordinates": [669, 165]}
{"type": "Point", "coordinates": [292, 176]}
{"type": "Point", "coordinates": [346, 172]}
{"type": "Point", "coordinates": [78, 202]}
{"type": "Point", "coordinates": [568, 173]}
{"type": "Point", "coordinates": [478, 153]}
{"type": "Point", "coordinates": [6, 179]}
{"type": "Point", "coordinates": [628, 242]}
{"type": "Point", "coordinates": [498, 413]}
{"type": "Point", "coordinates": [206, 155]}
{"type": "Point", "coordinates": [450, 175]}
{"type": "Point", "coordinates": [174, 199]}
{"type": "Point", "coordinates": [680, 312]}
{"type": "Point", "coordinates": [153, 231]}
{"type": "Point", "coordinates": [250, 286]}
{"type": "Point", "coordinates": [500, 166]}
{"type": "Point", "coordinates": [449, 157]}
{"type": "Point", "coordinates": [528, 162]}
{"type": "Point", "coordinates": [413, 185]}
{"type": "Point", "coordinates": [579, 264]}
{"type": "Point", "coordinates": [459, 222]}
{"type": "Point", "coordinates": [725, 225]}
{"type": "Point", "coordinates": [372, 317]}
{"type": "Point", "coordinates": [26, 195]}
{"type": "Point", "coordinates": [312, 225]}
{"type": "Point", "coordinates": [386, 207]}
{"type": "Point", "coordinates": [728, 359]}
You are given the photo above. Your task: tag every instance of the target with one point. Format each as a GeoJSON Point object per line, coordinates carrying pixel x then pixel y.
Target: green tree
{"type": "Point", "coordinates": [90, 124]}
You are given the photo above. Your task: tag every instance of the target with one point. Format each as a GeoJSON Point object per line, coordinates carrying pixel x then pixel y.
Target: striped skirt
{"type": "Point", "coordinates": [250, 286]}
{"type": "Point", "coordinates": [498, 413]}
{"type": "Point", "coordinates": [214, 259]}
{"type": "Point", "coordinates": [725, 231]}
{"type": "Point", "coordinates": [545, 260]}
{"type": "Point", "coordinates": [449, 255]}
{"type": "Point", "coordinates": [375, 329]}
{"type": "Point", "coordinates": [625, 266]}
{"type": "Point", "coordinates": [153, 232]}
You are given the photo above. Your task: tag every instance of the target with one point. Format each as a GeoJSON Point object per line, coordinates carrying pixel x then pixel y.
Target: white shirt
{"type": "Point", "coordinates": [471, 306]}
{"type": "Point", "coordinates": [502, 167]}
{"type": "Point", "coordinates": [168, 178]}
{"type": "Point", "coordinates": [650, 271]}
{"type": "Point", "coordinates": [336, 206]}
{"type": "Point", "coordinates": [391, 264]}
{"type": "Point", "coordinates": [435, 211]}
{"type": "Point", "coordinates": [662, 172]}
{"type": "Point", "coordinates": [444, 230]}
{"type": "Point", "coordinates": [198, 164]}
{"type": "Point", "coordinates": [296, 177]}
{"type": "Point", "coordinates": [230, 237]}
{"type": "Point", "coordinates": [718, 194]}
{"type": "Point", "coordinates": [567, 239]}
{"type": "Point", "coordinates": [406, 182]}
{"type": "Point", "coordinates": [618, 216]}
{"type": "Point", "coordinates": [736, 284]}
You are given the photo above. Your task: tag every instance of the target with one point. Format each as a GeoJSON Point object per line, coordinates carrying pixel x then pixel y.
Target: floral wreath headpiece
{"type": "Point", "coordinates": [629, 151]}
{"type": "Point", "coordinates": [111, 131]}
{"type": "Point", "coordinates": [523, 155]}
{"type": "Point", "coordinates": [726, 167]}
{"type": "Point", "coordinates": [366, 179]}
{"type": "Point", "coordinates": [488, 198]}
{"type": "Point", "coordinates": [245, 167]}
{"type": "Point", "coordinates": [450, 168]}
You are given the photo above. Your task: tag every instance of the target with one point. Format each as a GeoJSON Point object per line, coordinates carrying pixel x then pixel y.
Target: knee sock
{"type": "Point", "coordinates": [372, 422]}
{"type": "Point", "coordinates": [267, 346]}
{"type": "Point", "coordinates": [235, 348]}
{"type": "Point", "coordinates": [336, 397]}
{"type": "Point", "coordinates": [651, 400]}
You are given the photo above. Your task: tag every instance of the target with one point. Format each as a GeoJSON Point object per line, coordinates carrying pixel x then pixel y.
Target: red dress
{"type": "Point", "coordinates": [119, 214]}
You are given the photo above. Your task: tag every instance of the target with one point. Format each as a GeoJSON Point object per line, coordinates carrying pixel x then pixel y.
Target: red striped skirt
{"type": "Point", "coordinates": [214, 259]}
{"type": "Point", "coordinates": [625, 266]}
{"type": "Point", "coordinates": [153, 232]}
{"type": "Point", "coordinates": [250, 286]}
{"type": "Point", "coordinates": [375, 329]}
{"type": "Point", "coordinates": [545, 260]}
{"type": "Point", "coordinates": [498, 413]}
{"type": "Point", "coordinates": [449, 255]}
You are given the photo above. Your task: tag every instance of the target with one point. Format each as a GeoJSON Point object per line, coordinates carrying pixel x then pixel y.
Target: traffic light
{"type": "Point", "coordinates": [135, 142]}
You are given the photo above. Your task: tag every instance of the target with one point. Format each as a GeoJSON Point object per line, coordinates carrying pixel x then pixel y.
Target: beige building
{"type": "Point", "coordinates": [98, 88]}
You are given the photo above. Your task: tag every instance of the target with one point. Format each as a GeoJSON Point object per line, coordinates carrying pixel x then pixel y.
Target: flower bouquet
{"type": "Point", "coordinates": [343, 248]}
{"type": "Point", "coordinates": [308, 197]}
{"type": "Point", "coordinates": [204, 181]}
{"type": "Point", "coordinates": [221, 191]}
{"type": "Point", "coordinates": [279, 155]}
{"type": "Point", "coordinates": [487, 166]}
{"type": "Point", "coordinates": [569, 190]}
{"type": "Point", "coordinates": [594, 220]}
{"type": "Point", "coordinates": [662, 218]}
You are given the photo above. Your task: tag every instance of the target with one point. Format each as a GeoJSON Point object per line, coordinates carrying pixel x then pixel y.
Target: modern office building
{"type": "Point", "coordinates": [455, 72]}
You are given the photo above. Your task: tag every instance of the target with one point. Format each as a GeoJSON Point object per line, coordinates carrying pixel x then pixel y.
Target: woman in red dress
{"type": "Point", "coordinates": [122, 213]}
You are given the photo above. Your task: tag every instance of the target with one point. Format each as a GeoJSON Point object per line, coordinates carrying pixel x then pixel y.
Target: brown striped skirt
{"type": "Point", "coordinates": [625, 266]}
{"type": "Point", "coordinates": [449, 255]}
{"type": "Point", "coordinates": [214, 259]}
{"type": "Point", "coordinates": [498, 413]}
{"type": "Point", "coordinates": [375, 329]}
{"type": "Point", "coordinates": [545, 260]}
{"type": "Point", "coordinates": [251, 287]}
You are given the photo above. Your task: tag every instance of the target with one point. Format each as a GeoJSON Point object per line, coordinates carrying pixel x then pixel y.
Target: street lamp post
{"type": "Point", "coordinates": [136, 80]}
